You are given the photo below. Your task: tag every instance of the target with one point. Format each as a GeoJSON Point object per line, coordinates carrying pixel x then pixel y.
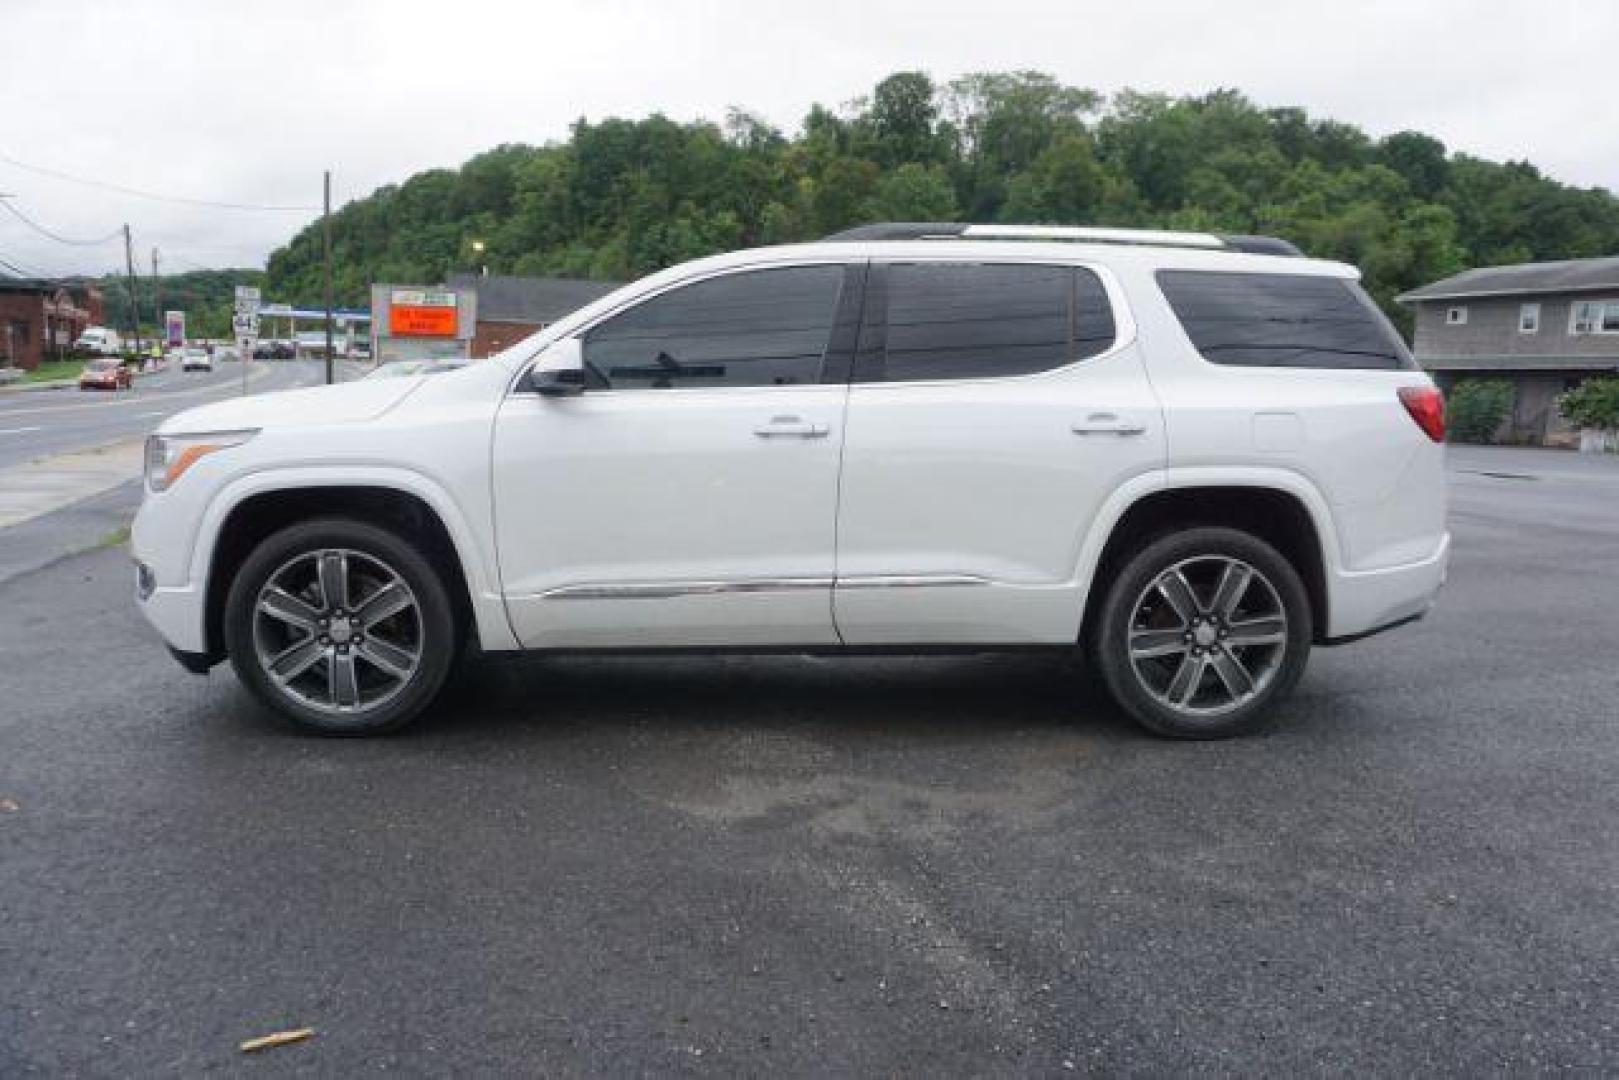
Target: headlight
{"type": "Point", "coordinates": [169, 456]}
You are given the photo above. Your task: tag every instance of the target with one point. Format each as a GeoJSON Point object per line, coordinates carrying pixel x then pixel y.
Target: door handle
{"type": "Point", "coordinates": [1106, 423]}
{"type": "Point", "coordinates": [791, 427]}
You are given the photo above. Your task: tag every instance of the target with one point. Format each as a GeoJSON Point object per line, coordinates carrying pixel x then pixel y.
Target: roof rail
{"type": "Point", "coordinates": [955, 230]}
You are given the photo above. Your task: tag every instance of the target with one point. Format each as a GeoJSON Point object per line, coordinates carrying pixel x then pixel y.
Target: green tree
{"type": "Point", "coordinates": [1063, 185]}
{"type": "Point", "coordinates": [914, 192]}
{"type": "Point", "coordinates": [1475, 409]}
{"type": "Point", "coordinates": [1592, 404]}
{"type": "Point", "coordinates": [902, 117]}
{"type": "Point", "coordinates": [620, 197]}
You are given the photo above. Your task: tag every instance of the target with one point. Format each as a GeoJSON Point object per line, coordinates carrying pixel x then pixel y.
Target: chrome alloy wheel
{"type": "Point", "coordinates": [338, 629]}
{"type": "Point", "coordinates": [1207, 635]}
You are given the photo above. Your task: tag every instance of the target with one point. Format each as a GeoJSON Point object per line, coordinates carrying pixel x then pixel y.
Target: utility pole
{"type": "Point", "coordinates": [326, 239]}
{"type": "Point", "coordinates": [157, 299]}
{"type": "Point", "coordinates": [134, 298]}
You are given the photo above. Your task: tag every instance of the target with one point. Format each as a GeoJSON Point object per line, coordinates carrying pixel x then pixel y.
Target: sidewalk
{"type": "Point", "coordinates": [38, 487]}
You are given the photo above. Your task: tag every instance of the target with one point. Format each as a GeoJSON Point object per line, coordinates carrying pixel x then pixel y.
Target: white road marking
{"type": "Point", "coordinates": [18, 430]}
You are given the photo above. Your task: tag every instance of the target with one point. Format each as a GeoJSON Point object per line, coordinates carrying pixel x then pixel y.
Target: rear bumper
{"type": "Point", "coordinates": [1365, 602]}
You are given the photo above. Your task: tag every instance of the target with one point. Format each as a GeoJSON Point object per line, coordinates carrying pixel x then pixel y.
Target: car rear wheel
{"type": "Point", "coordinates": [1201, 632]}
{"type": "Point", "coordinates": [342, 627]}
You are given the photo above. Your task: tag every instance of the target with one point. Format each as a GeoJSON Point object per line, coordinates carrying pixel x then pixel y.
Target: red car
{"type": "Point", "coordinates": [105, 375]}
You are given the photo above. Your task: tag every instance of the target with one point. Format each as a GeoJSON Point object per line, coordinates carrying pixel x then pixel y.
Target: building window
{"type": "Point", "coordinates": [1529, 319]}
{"type": "Point", "coordinates": [1594, 317]}
{"type": "Point", "coordinates": [1456, 316]}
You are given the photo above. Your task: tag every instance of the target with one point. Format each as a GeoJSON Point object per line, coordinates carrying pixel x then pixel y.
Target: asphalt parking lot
{"type": "Point", "coordinates": [901, 866]}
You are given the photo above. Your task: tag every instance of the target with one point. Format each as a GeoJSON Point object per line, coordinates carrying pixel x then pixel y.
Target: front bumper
{"type": "Point", "coordinates": [178, 614]}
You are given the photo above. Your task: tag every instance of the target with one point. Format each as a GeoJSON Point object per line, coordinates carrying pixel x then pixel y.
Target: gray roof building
{"type": "Point", "coordinates": [1543, 326]}
{"type": "Point", "coordinates": [1567, 276]}
{"type": "Point", "coordinates": [526, 300]}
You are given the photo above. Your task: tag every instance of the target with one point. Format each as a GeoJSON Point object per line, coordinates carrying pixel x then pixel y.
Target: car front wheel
{"type": "Point", "coordinates": [1202, 631]}
{"type": "Point", "coordinates": [340, 626]}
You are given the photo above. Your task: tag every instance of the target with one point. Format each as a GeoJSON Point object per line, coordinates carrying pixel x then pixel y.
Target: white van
{"type": "Point", "coordinates": [101, 340]}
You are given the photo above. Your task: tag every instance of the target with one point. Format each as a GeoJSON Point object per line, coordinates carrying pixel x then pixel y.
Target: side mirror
{"type": "Point", "coordinates": [559, 371]}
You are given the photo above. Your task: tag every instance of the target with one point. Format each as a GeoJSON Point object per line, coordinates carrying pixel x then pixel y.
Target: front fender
{"type": "Point", "coordinates": [477, 560]}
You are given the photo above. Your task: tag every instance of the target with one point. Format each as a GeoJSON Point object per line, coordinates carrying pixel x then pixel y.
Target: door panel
{"type": "Point", "coordinates": [694, 508]}
{"type": "Point", "coordinates": [965, 500]}
{"type": "Point", "coordinates": [605, 492]}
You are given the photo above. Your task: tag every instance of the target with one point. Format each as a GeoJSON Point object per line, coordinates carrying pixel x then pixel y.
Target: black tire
{"type": "Point", "coordinates": [433, 625]}
{"type": "Point", "coordinates": [1201, 550]}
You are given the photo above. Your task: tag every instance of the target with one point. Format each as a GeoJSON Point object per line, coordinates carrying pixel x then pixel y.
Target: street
{"type": "Point", "coordinates": [52, 422]}
{"type": "Point", "coordinates": [721, 865]}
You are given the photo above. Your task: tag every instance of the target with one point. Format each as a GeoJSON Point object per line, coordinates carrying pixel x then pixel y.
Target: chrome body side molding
{"type": "Point", "coordinates": [668, 590]}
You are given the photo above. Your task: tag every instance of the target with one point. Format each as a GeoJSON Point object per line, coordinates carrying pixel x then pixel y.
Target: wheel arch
{"type": "Point", "coordinates": [1280, 508]}
{"type": "Point", "coordinates": [241, 517]}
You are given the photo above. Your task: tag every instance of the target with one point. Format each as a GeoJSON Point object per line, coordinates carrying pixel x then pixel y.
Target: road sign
{"type": "Point", "coordinates": [245, 323]}
{"type": "Point", "coordinates": [247, 298]}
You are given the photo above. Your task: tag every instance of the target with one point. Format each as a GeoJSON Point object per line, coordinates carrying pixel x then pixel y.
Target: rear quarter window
{"type": "Point", "coordinates": [1282, 320]}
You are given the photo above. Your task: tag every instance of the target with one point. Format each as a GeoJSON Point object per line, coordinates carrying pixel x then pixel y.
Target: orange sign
{"type": "Point", "coordinates": [412, 321]}
{"type": "Point", "coordinates": [421, 313]}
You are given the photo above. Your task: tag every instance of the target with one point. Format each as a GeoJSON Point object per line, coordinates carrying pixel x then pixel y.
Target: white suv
{"type": "Point", "coordinates": [1192, 456]}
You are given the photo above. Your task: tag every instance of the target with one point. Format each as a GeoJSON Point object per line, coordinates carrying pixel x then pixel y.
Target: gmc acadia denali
{"type": "Point", "coordinates": [1192, 456]}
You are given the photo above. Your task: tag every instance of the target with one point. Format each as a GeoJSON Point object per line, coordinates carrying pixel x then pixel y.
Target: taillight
{"type": "Point", "coordinates": [1427, 407]}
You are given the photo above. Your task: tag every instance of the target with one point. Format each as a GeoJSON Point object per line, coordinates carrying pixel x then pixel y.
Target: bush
{"type": "Point", "coordinates": [1592, 404]}
{"type": "Point", "coordinates": [1476, 408]}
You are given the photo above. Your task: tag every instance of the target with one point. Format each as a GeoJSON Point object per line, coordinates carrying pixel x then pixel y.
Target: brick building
{"type": "Point", "coordinates": [509, 309]}
{"type": "Point", "coordinates": [41, 319]}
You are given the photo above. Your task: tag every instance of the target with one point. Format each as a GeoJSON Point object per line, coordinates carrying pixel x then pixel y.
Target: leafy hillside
{"type": "Point", "coordinates": [207, 297]}
{"type": "Point", "coordinates": [621, 198]}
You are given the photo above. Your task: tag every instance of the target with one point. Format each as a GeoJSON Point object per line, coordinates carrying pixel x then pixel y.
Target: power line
{"type": "Point", "coordinates": [48, 234]}
{"type": "Point", "coordinates": [139, 194]}
{"type": "Point", "coordinates": [21, 271]}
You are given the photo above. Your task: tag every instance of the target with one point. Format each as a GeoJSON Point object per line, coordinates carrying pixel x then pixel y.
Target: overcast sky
{"type": "Point", "coordinates": [246, 102]}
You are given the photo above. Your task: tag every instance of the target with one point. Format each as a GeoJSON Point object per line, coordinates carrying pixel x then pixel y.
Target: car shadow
{"type": "Point", "coordinates": [941, 696]}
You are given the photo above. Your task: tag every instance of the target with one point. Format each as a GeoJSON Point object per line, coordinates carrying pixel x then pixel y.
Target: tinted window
{"type": "Point", "coordinates": [758, 328]}
{"type": "Point", "coordinates": [1282, 320]}
{"type": "Point", "coordinates": [964, 321]}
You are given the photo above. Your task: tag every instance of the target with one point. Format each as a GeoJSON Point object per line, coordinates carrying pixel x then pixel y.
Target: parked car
{"type": "Point", "coordinates": [106, 374]}
{"type": "Point", "coordinates": [101, 340]}
{"type": "Point", "coordinates": [195, 358]}
{"type": "Point", "coordinates": [1190, 458]}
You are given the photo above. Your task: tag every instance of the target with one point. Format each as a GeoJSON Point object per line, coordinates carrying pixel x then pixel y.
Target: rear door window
{"type": "Point", "coordinates": [988, 320]}
{"type": "Point", "coordinates": [1282, 320]}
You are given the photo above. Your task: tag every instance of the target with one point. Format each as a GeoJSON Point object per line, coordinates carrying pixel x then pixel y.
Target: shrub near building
{"type": "Point", "coordinates": [1594, 406]}
{"type": "Point", "coordinates": [1476, 408]}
